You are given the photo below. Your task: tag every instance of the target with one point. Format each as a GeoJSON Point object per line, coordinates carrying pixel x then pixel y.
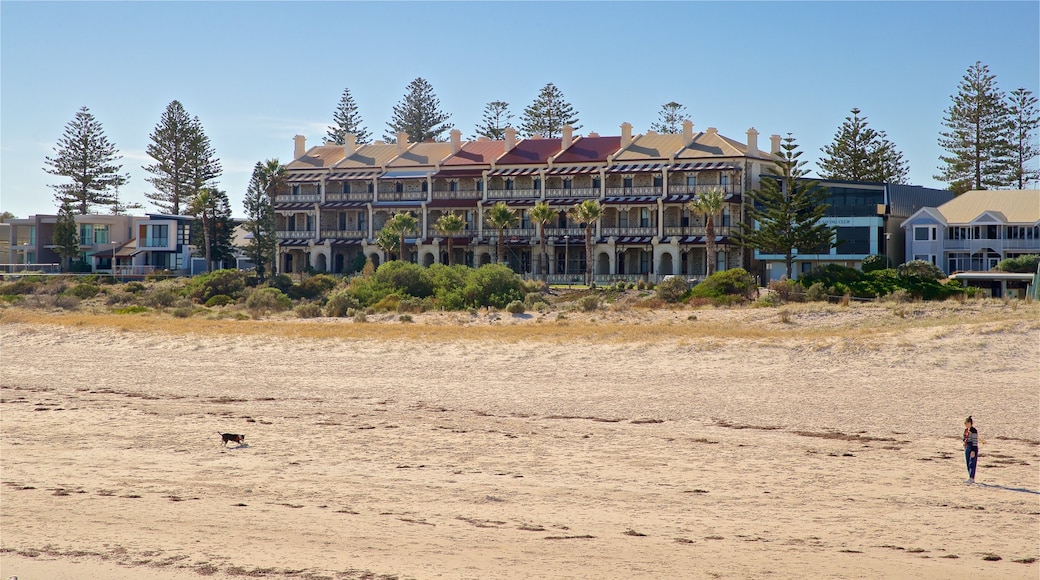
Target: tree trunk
{"type": "Point", "coordinates": [400, 250]}
{"type": "Point", "coordinates": [545, 256]}
{"type": "Point", "coordinates": [709, 231]}
{"type": "Point", "coordinates": [588, 255]}
{"type": "Point", "coordinates": [501, 246]}
{"type": "Point", "coordinates": [451, 254]}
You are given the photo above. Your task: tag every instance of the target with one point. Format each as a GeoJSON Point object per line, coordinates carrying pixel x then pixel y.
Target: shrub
{"type": "Point", "coordinates": [133, 287]}
{"type": "Point", "coordinates": [309, 310]}
{"type": "Point", "coordinates": [735, 282]}
{"type": "Point", "coordinates": [159, 297]}
{"type": "Point", "coordinates": [515, 307]}
{"type": "Point", "coordinates": [135, 309]}
{"type": "Point", "coordinates": [281, 282]}
{"type": "Point", "coordinates": [358, 263]}
{"type": "Point", "coordinates": [588, 303]}
{"type": "Point", "coordinates": [220, 300]}
{"type": "Point", "coordinates": [119, 298]}
{"type": "Point", "coordinates": [182, 312]}
{"type": "Point", "coordinates": [770, 300]}
{"type": "Point", "coordinates": [265, 300]}
{"type": "Point", "coordinates": [875, 262]}
{"type": "Point", "coordinates": [340, 303]}
{"type": "Point", "coordinates": [18, 287]}
{"type": "Point", "coordinates": [312, 287]}
{"type": "Point", "coordinates": [388, 303]}
{"type": "Point", "coordinates": [900, 296]}
{"type": "Point", "coordinates": [227, 282]}
{"type": "Point", "coordinates": [641, 285]}
{"type": "Point", "coordinates": [157, 275]}
{"type": "Point", "coordinates": [533, 298]}
{"type": "Point", "coordinates": [410, 304]}
{"type": "Point", "coordinates": [360, 317]}
{"type": "Point", "coordinates": [787, 290]}
{"type": "Point", "coordinates": [405, 278]}
{"type": "Point", "coordinates": [405, 318]}
{"type": "Point", "coordinates": [672, 289]}
{"type": "Point", "coordinates": [1021, 264]}
{"type": "Point", "coordinates": [492, 285]}
{"type": "Point", "coordinates": [816, 293]}
{"type": "Point", "coordinates": [66, 302]}
{"type": "Point", "coordinates": [920, 269]}
{"type": "Point", "coordinates": [83, 291]}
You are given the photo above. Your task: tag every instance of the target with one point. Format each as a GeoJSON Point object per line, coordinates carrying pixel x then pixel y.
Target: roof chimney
{"type": "Point", "coordinates": [300, 146]}
{"type": "Point", "coordinates": [456, 141]}
{"type": "Point", "coordinates": [568, 136]}
{"type": "Point", "coordinates": [626, 134]}
{"type": "Point", "coordinates": [510, 139]}
{"type": "Point", "coordinates": [687, 133]}
{"type": "Point", "coordinates": [349, 143]}
{"type": "Point", "coordinates": [774, 144]}
{"type": "Point", "coordinates": [752, 141]}
{"type": "Point", "coordinates": [402, 142]}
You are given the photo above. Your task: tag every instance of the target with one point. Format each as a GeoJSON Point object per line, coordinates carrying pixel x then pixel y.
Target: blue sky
{"type": "Point", "coordinates": [257, 73]}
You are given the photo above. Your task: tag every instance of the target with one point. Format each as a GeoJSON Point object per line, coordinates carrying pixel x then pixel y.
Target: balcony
{"type": "Point", "coordinates": [296, 234]}
{"type": "Point", "coordinates": [623, 232]}
{"type": "Point", "coordinates": [695, 230]}
{"type": "Point", "coordinates": [461, 194]}
{"type": "Point", "coordinates": [365, 196]}
{"type": "Point", "coordinates": [401, 196]}
{"type": "Point", "coordinates": [590, 192]}
{"type": "Point", "coordinates": [303, 198]}
{"type": "Point", "coordinates": [633, 191]}
{"type": "Point", "coordinates": [994, 244]}
{"type": "Point", "coordinates": [683, 189]}
{"type": "Point", "coordinates": [154, 243]}
{"type": "Point", "coordinates": [495, 194]}
{"type": "Point", "coordinates": [344, 234]}
{"type": "Point", "coordinates": [573, 232]}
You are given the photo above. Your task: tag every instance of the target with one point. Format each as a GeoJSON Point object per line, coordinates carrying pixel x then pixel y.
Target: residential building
{"type": "Point", "coordinates": [338, 197]}
{"type": "Point", "coordinates": [866, 217]}
{"type": "Point", "coordinates": [976, 230]}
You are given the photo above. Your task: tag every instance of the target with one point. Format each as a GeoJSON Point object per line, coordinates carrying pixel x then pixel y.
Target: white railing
{"type": "Point", "coordinates": [460, 194]}
{"type": "Point", "coordinates": [513, 193]}
{"type": "Point", "coordinates": [591, 192]}
{"type": "Point", "coordinates": [348, 196]}
{"type": "Point", "coordinates": [302, 198]}
{"type": "Point", "coordinates": [296, 234]}
{"type": "Point", "coordinates": [628, 191]}
{"type": "Point", "coordinates": [619, 232]}
{"type": "Point", "coordinates": [30, 268]}
{"type": "Point", "coordinates": [351, 234]}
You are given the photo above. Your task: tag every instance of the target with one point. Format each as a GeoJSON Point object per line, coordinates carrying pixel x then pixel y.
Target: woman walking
{"type": "Point", "coordinates": [971, 448]}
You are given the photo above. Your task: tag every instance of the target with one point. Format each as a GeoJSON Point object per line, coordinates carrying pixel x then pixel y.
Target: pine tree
{"type": "Point", "coordinates": [185, 163]}
{"type": "Point", "coordinates": [260, 222]}
{"type": "Point", "coordinates": [977, 126]}
{"type": "Point", "coordinates": [347, 119]}
{"type": "Point", "coordinates": [547, 115]}
{"type": "Point", "coordinates": [670, 119]}
{"type": "Point", "coordinates": [859, 153]}
{"type": "Point", "coordinates": [1025, 119]}
{"type": "Point", "coordinates": [66, 235]}
{"type": "Point", "coordinates": [85, 156]}
{"type": "Point", "coordinates": [495, 120]}
{"type": "Point", "coordinates": [786, 212]}
{"type": "Point", "coordinates": [418, 114]}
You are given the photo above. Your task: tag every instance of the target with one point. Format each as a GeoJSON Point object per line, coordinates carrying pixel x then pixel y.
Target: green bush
{"type": "Point", "coordinates": [159, 297]}
{"type": "Point", "coordinates": [227, 282]}
{"type": "Point", "coordinates": [182, 312]}
{"type": "Point", "coordinates": [340, 303]}
{"type": "Point", "coordinates": [133, 287]}
{"type": "Point", "coordinates": [266, 300]}
{"type": "Point", "coordinates": [405, 318]}
{"type": "Point", "coordinates": [770, 300]}
{"type": "Point", "coordinates": [388, 303]}
{"type": "Point", "coordinates": [405, 278]}
{"type": "Point", "coordinates": [672, 289]}
{"type": "Point", "coordinates": [119, 298]}
{"type": "Point", "coordinates": [308, 310]}
{"type": "Point", "coordinates": [533, 298]}
{"type": "Point", "coordinates": [83, 291]}
{"type": "Point", "coordinates": [816, 292]}
{"type": "Point", "coordinates": [515, 307]}
{"type": "Point", "coordinates": [410, 304]}
{"type": "Point", "coordinates": [281, 282]}
{"type": "Point", "coordinates": [492, 285]}
{"type": "Point", "coordinates": [1021, 264]}
{"type": "Point", "coordinates": [157, 275]}
{"type": "Point", "coordinates": [735, 282]}
{"type": "Point", "coordinates": [18, 287]}
{"type": "Point", "coordinates": [920, 269]}
{"type": "Point", "coordinates": [588, 303]}
{"type": "Point", "coordinates": [787, 290]}
{"type": "Point", "coordinates": [312, 287]}
{"type": "Point", "coordinates": [135, 309]}
{"type": "Point", "coordinates": [220, 300]}
{"type": "Point", "coordinates": [875, 262]}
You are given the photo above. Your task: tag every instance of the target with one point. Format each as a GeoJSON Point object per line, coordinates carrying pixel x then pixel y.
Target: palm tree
{"type": "Point", "coordinates": [450, 224]}
{"type": "Point", "coordinates": [500, 217]}
{"type": "Point", "coordinates": [709, 203]}
{"type": "Point", "coordinates": [587, 212]}
{"type": "Point", "coordinates": [387, 240]}
{"type": "Point", "coordinates": [273, 175]}
{"type": "Point", "coordinates": [402, 223]}
{"type": "Point", "coordinates": [543, 215]}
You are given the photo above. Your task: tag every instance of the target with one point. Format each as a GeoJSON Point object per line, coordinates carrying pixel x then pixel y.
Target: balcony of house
{"type": "Point", "coordinates": [621, 232]}
{"type": "Point", "coordinates": [697, 230]}
{"type": "Point", "coordinates": [565, 192]}
{"type": "Point", "coordinates": [571, 232]}
{"type": "Point", "coordinates": [504, 194]}
{"type": "Point", "coordinates": [296, 234]}
{"type": "Point", "coordinates": [301, 193]}
{"type": "Point", "coordinates": [636, 190]}
{"type": "Point", "coordinates": [994, 244]}
{"type": "Point", "coordinates": [344, 234]}
{"type": "Point", "coordinates": [695, 188]}
{"type": "Point", "coordinates": [362, 196]}
{"type": "Point", "coordinates": [458, 194]}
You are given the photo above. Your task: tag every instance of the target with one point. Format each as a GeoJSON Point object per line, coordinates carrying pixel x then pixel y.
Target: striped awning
{"type": "Point", "coordinates": [342, 242]}
{"type": "Point", "coordinates": [305, 176]}
{"type": "Point", "coordinates": [702, 166]}
{"type": "Point", "coordinates": [407, 174]}
{"type": "Point", "coordinates": [515, 171]}
{"type": "Point", "coordinates": [637, 168]}
{"type": "Point", "coordinates": [574, 170]}
{"type": "Point", "coordinates": [699, 240]}
{"type": "Point", "coordinates": [626, 199]}
{"type": "Point", "coordinates": [293, 242]}
{"type": "Point", "coordinates": [343, 204]}
{"type": "Point", "coordinates": [345, 174]}
{"type": "Point", "coordinates": [634, 240]}
{"type": "Point", "coordinates": [566, 200]}
{"type": "Point", "coordinates": [522, 202]}
{"type": "Point", "coordinates": [685, 197]}
{"type": "Point", "coordinates": [470, 202]}
{"type": "Point", "coordinates": [294, 205]}
{"type": "Point", "coordinates": [459, 173]}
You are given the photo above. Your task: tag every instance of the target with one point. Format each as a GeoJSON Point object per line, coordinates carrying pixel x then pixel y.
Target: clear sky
{"type": "Point", "coordinates": [257, 73]}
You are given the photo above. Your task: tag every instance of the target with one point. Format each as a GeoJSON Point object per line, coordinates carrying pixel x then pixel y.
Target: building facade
{"type": "Point", "coordinates": [338, 197]}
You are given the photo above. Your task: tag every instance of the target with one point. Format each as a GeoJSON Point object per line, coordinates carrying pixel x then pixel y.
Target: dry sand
{"type": "Point", "coordinates": [835, 457]}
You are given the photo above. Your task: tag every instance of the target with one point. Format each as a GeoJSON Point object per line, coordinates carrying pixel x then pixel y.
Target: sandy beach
{"type": "Point", "coordinates": [781, 454]}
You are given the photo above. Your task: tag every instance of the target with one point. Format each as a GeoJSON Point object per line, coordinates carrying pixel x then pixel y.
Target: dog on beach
{"type": "Point", "coordinates": [232, 438]}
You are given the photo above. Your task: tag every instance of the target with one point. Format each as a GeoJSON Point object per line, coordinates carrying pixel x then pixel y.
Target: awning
{"type": "Point", "coordinates": [515, 171]}
{"type": "Point", "coordinates": [512, 202]}
{"type": "Point", "coordinates": [412, 203]}
{"type": "Point", "coordinates": [627, 199]}
{"type": "Point", "coordinates": [471, 202]}
{"type": "Point", "coordinates": [457, 173]}
{"type": "Point", "coordinates": [293, 242]}
{"type": "Point", "coordinates": [685, 197]}
{"type": "Point", "coordinates": [305, 176]}
{"type": "Point", "coordinates": [574, 170]}
{"type": "Point", "coordinates": [702, 166]}
{"type": "Point", "coordinates": [700, 240]}
{"type": "Point", "coordinates": [343, 204]}
{"type": "Point", "coordinates": [343, 242]}
{"type": "Point", "coordinates": [407, 174]}
{"type": "Point", "coordinates": [637, 168]}
{"type": "Point", "coordinates": [634, 240]}
{"type": "Point", "coordinates": [345, 174]}
{"type": "Point", "coordinates": [294, 205]}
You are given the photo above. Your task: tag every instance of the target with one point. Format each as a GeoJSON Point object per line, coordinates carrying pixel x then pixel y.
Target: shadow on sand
{"type": "Point", "coordinates": [1005, 488]}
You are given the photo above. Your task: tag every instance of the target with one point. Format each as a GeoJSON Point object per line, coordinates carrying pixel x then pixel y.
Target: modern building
{"type": "Point", "coordinates": [866, 217]}
{"type": "Point", "coordinates": [338, 197]}
{"type": "Point", "coordinates": [976, 230]}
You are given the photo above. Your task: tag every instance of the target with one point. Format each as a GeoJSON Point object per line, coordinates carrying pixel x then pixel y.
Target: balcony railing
{"type": "Point", "coordinates": [459, 194]}
{"type": "Point", "coordinates": [302, 198]}
{"type": "Point", "coordinates": [627, 191]}
{"type": "Point", "coordinates": [296, 234]}
{"type": "Point", "coordinates": [344, 234]}
{"type": "Point", "coordinates": [622, 232]}
{"type": "Point", "coordinates": [695, 230]}
{"type": "Point", "coordinates": [682, 188]}
{"type": "Point", "coordinates": [996, 244]}
{"type": "Point", "coordinates": [513, 193]}
{"type": "Point", "coordinates": [348, 196]}
{"type": "Point", "coordinates": [401, 196]}
{"type": "Point", "coordinates": [154, 243]}
{"type": "Point", "coordinates": [574, 232]}
{"type": "Point", "coordinates": [572, 192]}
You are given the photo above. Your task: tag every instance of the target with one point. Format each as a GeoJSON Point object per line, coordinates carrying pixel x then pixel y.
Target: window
{"type": "Point", "coordinates": [567, 183]}
{"type": "Point", "coordinates": [723, 180]}
{"type": "Point", "coordinates": [371, 187]}
{"type": "Point", "coordinates": [623, 219]}
{"type": "Point", "coordinates": [425, 186]}
{"type": "Point", "coordinates": [310, 223]}
{"type": "Point", "coordinates": [923, 234]}
{"type": "Point", "coordinates": [362, 221]}
{"type": "Point", "coordinates": [86, 234]}
{"type": "Point", "coordinates": [317, 189]}
{"type": "Point", "coordinates": [509, 185]}
{"type": "Point", "coordinates": [537, 183]}
{"type": "Point", "coordinates": [453, 186]}
{"type": "Point", "coordinates": [183, 234]}
{"type": "Point", "coordinates": [342, 220]}
{"type": "Point", "coordinates": [346, 187]}
{"type": "Point", "coordinates": [398, 187]}
{"type": "Point", "coordinates": [101, 234]}
{"type": "Point", "coordinates": [727, 217]}
{"type": "Point", "coordinates": [627, 182]}
{"type": "Point", "coordinates": [595, 182]}
{"type": "Point", "coordinates": [644, 217]}
{"type": "Point", "coordinates": [296, 190]}
{"type": "Point", "coordinates": [658, 181]}
{"type": "Point", "coordinates": [691, 180]}
{"type": "Point", "coordinates": [480, 185]}
{"type": "Point", "coordinates": [853, 241]}
{"type": "Point", "coordinates": [525, 218]}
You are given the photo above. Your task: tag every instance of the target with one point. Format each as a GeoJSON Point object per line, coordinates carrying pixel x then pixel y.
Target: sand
{"type": "Point", "coordinates": [651, 458]}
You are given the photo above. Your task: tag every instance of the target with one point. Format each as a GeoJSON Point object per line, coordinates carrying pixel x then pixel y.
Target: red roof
{"type": "Point", "coordinates": [589, 150]}
{"type": "Point", "coordinates": [531, 151]}
{"type": "Point", "coordinates": [476, 153]}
